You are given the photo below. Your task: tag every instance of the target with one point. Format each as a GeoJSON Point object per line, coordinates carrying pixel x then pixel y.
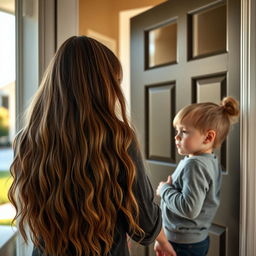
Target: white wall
{"type": "Point", "coordinates": [124, 49]}
{"type": "Point", "coordinates": [248, 123]}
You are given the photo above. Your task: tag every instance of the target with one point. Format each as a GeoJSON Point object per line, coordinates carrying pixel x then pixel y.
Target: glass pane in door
{"type": "Point", "coordinates": [161, 45]}
{"type": "Point", "coordinates": [209, 32]}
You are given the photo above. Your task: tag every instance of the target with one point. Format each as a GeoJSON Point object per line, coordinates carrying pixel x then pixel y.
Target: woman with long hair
{"type": "Point", "coordinates": [79, 180]}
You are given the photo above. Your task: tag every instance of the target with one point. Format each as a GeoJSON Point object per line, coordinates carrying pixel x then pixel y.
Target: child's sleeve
{"type": "Point", "coordinates": [187, 201]}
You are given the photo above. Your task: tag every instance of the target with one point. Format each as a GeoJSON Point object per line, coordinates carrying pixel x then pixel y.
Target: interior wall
{"type": "Point", "coordinates": [124, 50]}
{"type": "Point", "coordinates": [97, 15]}
{"type": "Point", "coordinates": [103, 16]}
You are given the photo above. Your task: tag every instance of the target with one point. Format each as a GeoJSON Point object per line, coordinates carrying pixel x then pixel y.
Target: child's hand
{"type": "Point", "coordinates": [169, 181]}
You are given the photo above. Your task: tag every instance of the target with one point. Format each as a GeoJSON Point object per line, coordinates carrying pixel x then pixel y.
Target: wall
{"type": "Point", "coordinates": [103, 16]}
{"type": "Point", "coordinates": [97, 15]}
{"type": "Point", "coordinates": [124, 50]}
{"type": "Point", "coordinates": [132, 4]}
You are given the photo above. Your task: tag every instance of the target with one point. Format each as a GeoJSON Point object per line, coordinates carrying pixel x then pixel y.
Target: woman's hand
{"type": "Point", "coordinates": [162, 246]}
{"type": "Point", "coordinates": [164, 249]}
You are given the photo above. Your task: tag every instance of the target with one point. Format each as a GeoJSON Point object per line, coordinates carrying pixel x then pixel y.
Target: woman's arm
{"type": "Point", "coordinates": [162, 246]}
{"type": "Point", "coordinates": [150, 219]}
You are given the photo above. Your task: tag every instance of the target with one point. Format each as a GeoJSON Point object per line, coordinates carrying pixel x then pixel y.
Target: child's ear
{"type": "Point", "coordinates": [210, 136]}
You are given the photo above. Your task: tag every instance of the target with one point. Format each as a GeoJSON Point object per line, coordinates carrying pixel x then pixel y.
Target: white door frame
{"type": "Point", "coordinates": [248, 124]}
{"type": "Point", "coordinates": [27, 72]}
{"type": "Point", "coordinates": [41, 27]}
{"type": "Point", "coordinates": [27, 58]}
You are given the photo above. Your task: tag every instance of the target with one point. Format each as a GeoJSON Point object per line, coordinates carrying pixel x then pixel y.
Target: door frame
{"type": "Point", "coordinates": [41, 27]}
{"type": "Point", "coordinates": [248, 123]}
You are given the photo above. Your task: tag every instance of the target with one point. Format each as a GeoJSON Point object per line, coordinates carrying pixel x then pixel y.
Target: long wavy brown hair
{"type": "Point", "coordinates": [72, 155]}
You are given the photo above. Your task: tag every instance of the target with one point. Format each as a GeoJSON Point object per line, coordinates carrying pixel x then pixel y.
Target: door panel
{"type": "Point", "coordinates": [160, 98]}
{"type": "Point", "coordinates": [201, 41]}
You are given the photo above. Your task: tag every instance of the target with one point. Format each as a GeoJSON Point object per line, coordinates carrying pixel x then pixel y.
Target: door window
{"type": "Point", "coordinates": [161, 45]}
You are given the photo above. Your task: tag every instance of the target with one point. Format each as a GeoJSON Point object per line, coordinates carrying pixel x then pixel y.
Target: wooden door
{"type": "Point", "coordinates": [183, 52]}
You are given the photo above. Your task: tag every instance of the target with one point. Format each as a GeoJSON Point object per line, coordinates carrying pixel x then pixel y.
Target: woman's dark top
{"type": "Point", "coordinates": [149, 214]}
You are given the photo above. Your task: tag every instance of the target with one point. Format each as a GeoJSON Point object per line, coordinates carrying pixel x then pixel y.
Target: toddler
{"type": "Point", "coordinates": [191, 196]}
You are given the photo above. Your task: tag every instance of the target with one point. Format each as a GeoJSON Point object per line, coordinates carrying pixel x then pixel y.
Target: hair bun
{"type": "Point", "coordinates": [231, 107]}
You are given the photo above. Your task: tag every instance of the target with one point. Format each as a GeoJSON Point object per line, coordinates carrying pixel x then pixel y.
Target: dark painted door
{"type": "Point", "coordinates": [183, 52]}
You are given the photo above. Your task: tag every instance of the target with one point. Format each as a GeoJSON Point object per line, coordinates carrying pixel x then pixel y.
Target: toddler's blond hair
{"type": "Point", "coordinates": [210, 116]}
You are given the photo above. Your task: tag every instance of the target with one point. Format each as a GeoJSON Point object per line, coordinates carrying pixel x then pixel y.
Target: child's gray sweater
{"type": "Point", "coordinates": [190, 203]}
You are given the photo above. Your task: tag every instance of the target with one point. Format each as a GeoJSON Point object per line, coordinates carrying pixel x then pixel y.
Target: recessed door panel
{"type": "Point", "coordinates": [211, 89]}
{"type": "Point", "coordinates": [218, 240]}
{"type": "Point", "coordinates": [160, 109]}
